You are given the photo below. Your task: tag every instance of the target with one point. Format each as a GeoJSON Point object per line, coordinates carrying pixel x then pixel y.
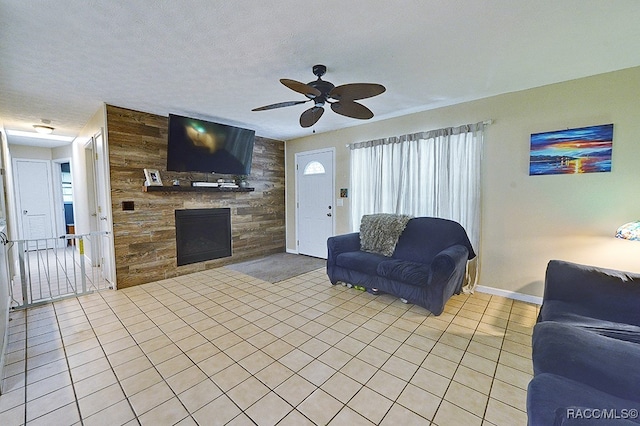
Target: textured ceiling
{"type": "Point", "coordinates": [60, 60]}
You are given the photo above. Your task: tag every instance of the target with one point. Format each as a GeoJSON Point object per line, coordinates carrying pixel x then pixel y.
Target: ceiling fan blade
{"type": "Point", "coordinates": [311, 116]}
{"type": "Point", "coordinates": [305, 89]}
{"type": "Point", "coordinates": [279, 105]}
{"type": "Point", "coordinates": [354, 91]}
{"type": "Point", "coordinates": [352, 109]}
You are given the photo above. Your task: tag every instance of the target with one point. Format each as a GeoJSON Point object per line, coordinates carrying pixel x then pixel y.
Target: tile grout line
{"type": "Point", "coordinates": [316, 358]}
{"type": "Point", "coordinates": [504, 338]}
{"type": "Point", "coordinates": [196, 364]}
{"type": "Point", "coordinates": [484, 412]}
{"type": "Point", "coordinates": [108, 361]}
{"type": "Point", "coordinates": [26, 360]}
{"type": "Point", "coordinates": [442, 399]}
{"type": "Point", "coordinates": [295, 373]}
{"type": "Point", "coordinates": [363, 385]}
{"type": "Point", "coordinates": [146, 356]}
{"type": "Point", "coordinates": [406, 384]}
{"type": "Point", "coordinates": [466, 351]}
{"type": "Point", "coordinates": [66, 359]}
{"type": "Point", "coordinates": [324, 304]}
{"type": "Point", "coordinates": [243, 411]}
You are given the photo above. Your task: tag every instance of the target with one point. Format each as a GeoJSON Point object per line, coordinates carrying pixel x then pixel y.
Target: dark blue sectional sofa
{"type": "Point", "coordinates": [427, 267]}
{"type": "Point", "coordinates": [586, 348]}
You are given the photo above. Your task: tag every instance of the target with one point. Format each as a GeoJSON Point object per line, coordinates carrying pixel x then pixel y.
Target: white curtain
{"type": "Point", "coordinates": [435, 173]}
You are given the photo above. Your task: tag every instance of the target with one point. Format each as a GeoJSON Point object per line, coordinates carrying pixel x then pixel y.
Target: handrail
{"type": "Point", "coordinates": [5, 240]}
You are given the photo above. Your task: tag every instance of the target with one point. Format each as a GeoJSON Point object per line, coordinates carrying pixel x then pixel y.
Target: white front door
{"type": "Point", "coordinates": [314, 198]}
{"type": "Point", "coordinates": [35, 204]}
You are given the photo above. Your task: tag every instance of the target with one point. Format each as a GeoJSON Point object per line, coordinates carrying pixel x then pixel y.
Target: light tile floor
{"type": "Point", "coordinates": [220, 347]}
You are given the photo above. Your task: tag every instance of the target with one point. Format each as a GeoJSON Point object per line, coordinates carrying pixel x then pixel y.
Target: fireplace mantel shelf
{"type": "Point", "coordinates": [193, 189]}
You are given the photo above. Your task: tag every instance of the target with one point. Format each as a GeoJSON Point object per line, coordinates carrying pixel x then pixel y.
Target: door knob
{"type": "Point", "coordinates": [24, 212]}
{"type": "Point", "coordinates": [103, 218]}
{"type": "Point", "coordinates": [329, 214]}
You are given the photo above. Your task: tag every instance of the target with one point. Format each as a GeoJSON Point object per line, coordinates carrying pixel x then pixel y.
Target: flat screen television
{"type": "Point", "coordinates": [202, 146]}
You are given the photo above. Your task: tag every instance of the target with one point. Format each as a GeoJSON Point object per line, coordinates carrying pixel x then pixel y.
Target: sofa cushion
{"type": "Point", "coordinates": [556, 400]}
{"type": "Point", "coordinates": [360, 261]}
{"type": "Point", "coordinates": [601, 362]}
{"type": "Point", "coordinates": [379, 233]}
{"type": "Point", "coordinates": [404, 271]}
{"type": "Point", "coordinates": [425, 237]}
{"type": "Point", "coordinates": [601, 293]}
{"type": "Point", "coordinates": [578, 315]}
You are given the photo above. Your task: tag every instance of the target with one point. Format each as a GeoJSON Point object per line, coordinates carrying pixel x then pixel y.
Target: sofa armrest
{"type": "Point", "coordinates": [342, 244]}
{"type": "Point", "coordinates": [446, 276]}
{"type": "Point", "coordinates": [606, 293]}
{"type": "Point", "coordinates": [447, 262]}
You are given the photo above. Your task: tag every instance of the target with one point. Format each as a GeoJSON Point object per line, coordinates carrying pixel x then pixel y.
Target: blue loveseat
{"type": "Point", "coordinates": [427, 267]}
{"type": "Point", "coordinates": [586, 348]}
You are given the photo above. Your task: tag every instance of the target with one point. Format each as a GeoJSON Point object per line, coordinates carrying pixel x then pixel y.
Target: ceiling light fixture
{"type": "Point", "coordinates": [41, 128]}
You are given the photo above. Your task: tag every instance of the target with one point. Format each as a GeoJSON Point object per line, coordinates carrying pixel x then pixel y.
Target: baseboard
{"type": "Point", "coordinates": [292, 251]}
{"type": "Point", "coordinates": [510, 294]}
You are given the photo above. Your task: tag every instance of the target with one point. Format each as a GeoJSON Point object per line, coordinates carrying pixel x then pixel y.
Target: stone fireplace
{"type": "Point", "coordinates": [202, 234]}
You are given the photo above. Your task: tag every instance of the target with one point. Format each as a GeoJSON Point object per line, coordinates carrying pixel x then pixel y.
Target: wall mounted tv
{"type": "Point", "coordinates": [202, 146]}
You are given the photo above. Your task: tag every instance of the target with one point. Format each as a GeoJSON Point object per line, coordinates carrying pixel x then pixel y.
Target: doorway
{"type": "Point", "coordinates": [63, 196]}
{"type": "Point", "coordinates": [315, 189]}
{"type": "Point", "coordinates": [34, 191]}
{"type": "Point", "coordinates": [102, 219]}
{"type": "Point", "coordinates": [67, 197]}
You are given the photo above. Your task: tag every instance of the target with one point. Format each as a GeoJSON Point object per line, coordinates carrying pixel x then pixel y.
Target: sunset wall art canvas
{"type": "Point", "coordinates": [572, 151]}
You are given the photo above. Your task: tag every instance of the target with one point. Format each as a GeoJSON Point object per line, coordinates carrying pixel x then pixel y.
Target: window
{"type": "Point", "coordinates": [67, 191]}
{"type": "Point", "coordinates": [314, 168]}
{"type": "Point", "coordinates": [435, 173]}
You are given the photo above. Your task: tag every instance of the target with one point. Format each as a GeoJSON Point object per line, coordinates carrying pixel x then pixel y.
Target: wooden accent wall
{"type": "Point", "coordinates": [144, 239]}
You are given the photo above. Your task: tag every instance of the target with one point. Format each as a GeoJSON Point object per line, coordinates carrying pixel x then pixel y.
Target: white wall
{"type": "Point", "coordinates": [83, 190]}
{"type": "Point", "coordinates": [40, 153]}
{"type": "Point", "coordinates": [62, 152]}
{"type": "Point", "coordinates": [82, 184]}
{"type": "Point", "coordinates": [30, 152]}
{"type": "Point", "coordinates": [527, 220]}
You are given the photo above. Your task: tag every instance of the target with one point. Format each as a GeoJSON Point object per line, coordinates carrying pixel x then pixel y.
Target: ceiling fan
{"type": "Point", "coordinates": [341, 98]}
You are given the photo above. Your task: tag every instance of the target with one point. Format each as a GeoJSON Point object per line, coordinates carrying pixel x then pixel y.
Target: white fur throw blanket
{"type": "Point", "coordinates": [379, 233]}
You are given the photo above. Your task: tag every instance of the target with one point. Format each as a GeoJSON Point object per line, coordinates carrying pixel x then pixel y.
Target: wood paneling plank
{"type": "Point", "coordinates": [144, 239]}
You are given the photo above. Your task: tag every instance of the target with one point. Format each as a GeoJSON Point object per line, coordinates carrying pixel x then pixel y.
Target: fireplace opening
{"type": "Point", "coordinates": [202, 234]}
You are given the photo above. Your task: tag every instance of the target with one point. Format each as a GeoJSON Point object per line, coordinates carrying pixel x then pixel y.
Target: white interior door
{"type": "Point", "coordinates": [314, 197]}
{"type": "Point", "coordinates": [35, 203]}
{"type": "Point", "coordinates": [105, 246]}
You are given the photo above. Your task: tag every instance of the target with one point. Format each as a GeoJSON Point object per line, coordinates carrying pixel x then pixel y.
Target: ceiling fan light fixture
{"type": "Point", "coordinates": [45, 130]}
{"type": "Point", "coordinates": [341, 98]}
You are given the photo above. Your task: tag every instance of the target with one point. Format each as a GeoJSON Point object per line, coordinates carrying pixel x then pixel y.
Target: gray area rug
{"type": "Point", "coordinates": [278, 267]}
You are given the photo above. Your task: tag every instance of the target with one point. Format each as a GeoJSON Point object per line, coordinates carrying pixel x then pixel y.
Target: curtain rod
{"type": "Point", "coordinates": [484, 123]}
